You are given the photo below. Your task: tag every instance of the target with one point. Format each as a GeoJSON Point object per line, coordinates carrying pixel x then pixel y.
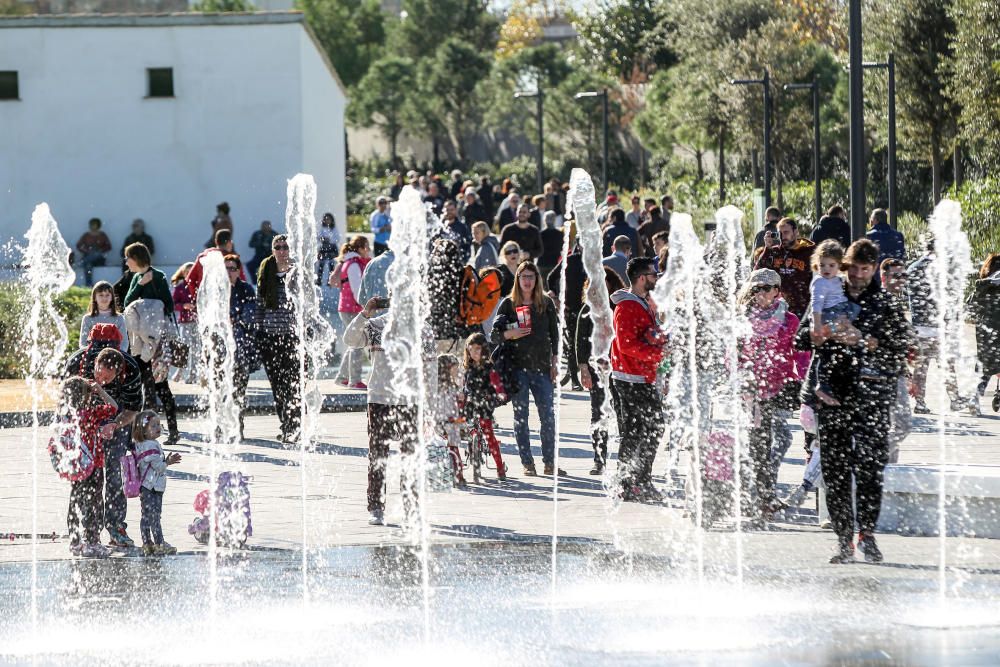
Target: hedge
{"type": "Point", "coordinates": [14, 303]}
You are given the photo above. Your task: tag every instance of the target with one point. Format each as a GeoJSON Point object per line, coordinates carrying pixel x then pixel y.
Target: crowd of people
{"type": "Point", "coordinates": [841, 331]}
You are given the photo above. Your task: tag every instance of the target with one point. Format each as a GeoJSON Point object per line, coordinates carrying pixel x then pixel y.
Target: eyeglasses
{"type": "Point", "coordinates": [513, 252]}
{"type": "Point", "coordinates": [280, 247]}
{"type": "Point", "coordinates": [232, 269]}
{"type": "Point", "coordinates": [763, 288]}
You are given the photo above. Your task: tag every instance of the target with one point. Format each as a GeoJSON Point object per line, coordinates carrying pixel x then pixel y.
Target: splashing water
{"type": "Point", "coordinates": [47, 273]}
{"type": "Point", "coordinates": [949, 274]}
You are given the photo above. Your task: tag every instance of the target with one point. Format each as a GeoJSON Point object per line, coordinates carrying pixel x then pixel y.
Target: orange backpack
{"type": "Point", "coordinates": [480, 295]}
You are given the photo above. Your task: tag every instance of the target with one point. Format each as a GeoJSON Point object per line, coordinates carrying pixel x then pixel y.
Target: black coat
{"type": "Point", "coordinates": [831, 228]}
{"type": "Point", "coordinates": [984, 303]}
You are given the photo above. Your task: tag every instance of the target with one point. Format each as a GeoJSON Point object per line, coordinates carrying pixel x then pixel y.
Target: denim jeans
{"type": "Point", "coordinates": [540, 386]}
{"type": "Point", "coordinates": [152, 510]}
{"type": "Point", "coordinates": [115, 504]}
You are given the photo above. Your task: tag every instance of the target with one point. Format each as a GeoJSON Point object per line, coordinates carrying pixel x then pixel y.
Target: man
{"type": "Point", "coordinates": [485, 194]}
{"type": "Point", "coordinates": [864, 364]}
{"type": "Point", "coordinates": [605, 207]}
{"type": "Point", "coordinates": [656, 224]}
{"type": "Point", "coordinates": [894, 282]}
{"type": "Point", "coordinates": [771, 217]}
{"type": "Point", "coordinates": [223, 244]}
{"type": "Point", "coordinates": [538, 209]}
{"type": "Point", "coordinates": [666, 207]}
{"type": "Point", "coordinates": [120, 376]}
{"type": "Point", "coordinates": [618, 227]}
{"type": "Point", "coordinates": [485, 248]}
{"type": "Point", "coordinates": [456, 230]}
{"type": "Point", "coordinates": [634, 216]}
{"type": "Point", "coordinates": [552, 243]}
{"type": "Point", "coordinates": [434, 198]}
{"type": "Point", "coordinates": [260, 241]}
{"type": "Point", "coordinates": [93, 246]}
{"type": "Point", "coordinates": [508, 214]}
{"type": "Point", "coordinates": [138, 235]}
{"type": "Point", "coordinates": [381, 225]}
{"type": "Point", "coordinates": [890, 242]}
{"type": "Point", "coordinates": [473, 210]}
{"type": "Point", "coordinates": [833, 225]}
{"type": "Point", "coordinates": [576, 276]}
{"type": "Point", "coordinates": [523, 233]}
{"type": "Point", "coordinates": [791, 259]}
{"type": "Point", "coordinates": [455, 187]}
{"type": "Point", "coordinates": [618, 260]}
{"type": "Point", "coordinates": [636, 352]}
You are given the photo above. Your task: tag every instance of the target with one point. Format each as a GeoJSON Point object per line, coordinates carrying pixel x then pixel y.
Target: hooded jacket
{"type": "Point", "coordinates": [638, 346]}
{"type": "Point", "coordinates": [768, 352]}
{"type": "Point", "coordinates": [793, 265]}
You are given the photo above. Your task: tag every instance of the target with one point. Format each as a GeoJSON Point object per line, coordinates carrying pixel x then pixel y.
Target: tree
{"type": "Point", "coordinates": [352, 32]}
{"type": "Point", "coordinates": [381, 97]}
{"type": "Point", "coordinates": [221, 6]}
{"type": "Point", "coordinates": [975, 81]}
{"type": "Point", "coordinates": [453, 76]}
{"type": "Point", "coordinates": [919, 33]}
{"type": "Point", "coordinates": [623, 38]}
{"type": "Point", "coordinates": [424, 24]}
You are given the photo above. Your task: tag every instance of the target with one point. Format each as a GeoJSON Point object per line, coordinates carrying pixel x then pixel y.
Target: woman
{"type": "Point", "coordinates": [354, 257]}
{"type": "Point", "coordinates": [150, 283]}
{"type": "Point", "coordinates": [985, 306]}
{"type": "Point", "coordinates": [770, 360]}
{"type": "Point", "coordinates": [527, 321]}
{"type": "Point", "coordinates": [277, 337]}
{"type": "Point", "coordinates": [243, 317]}
{"type": "Point", "coordinates": [185, 310]}
{"type": "Point", "coordinates": [510, 257]}
{"type": "Point", "coordinates": [589, 376]}
{"type": "Point", "coordinates": [102, 310]}
{"type": "Point", "coordinates": [329, 237]}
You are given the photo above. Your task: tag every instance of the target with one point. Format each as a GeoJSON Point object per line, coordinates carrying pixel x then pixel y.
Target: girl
{"type": "Point", "coordinates": [354, 257]}
{"type": "Point", "coordinates": [769, 359]}
{"type": "Point", "coordinates": [85, 404]}
{"type": "Point", "coordinates": [481, 396]}
{"type": "Point", "coordinates": [448, 415]}
{"type": "Point", "coordinates": [828, 305]}
{"type": "Point", "coordinates": [187, 324]}
{"type": "Point", "coordinates": [152, 468]}
{"type": "Point", "coordinates": [103, 309]}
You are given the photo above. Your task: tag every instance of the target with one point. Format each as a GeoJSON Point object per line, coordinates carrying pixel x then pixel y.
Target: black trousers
{"type": "Point", "coordinates": [280, 353]}
{"type": "Point", "coordinates": [389, 424]}
{"type": "Point", "coordinates": [760, 453]}
{"type": "Point", "coordinates": [162, 391]}
{"type": "Point", "coordinates": [865, 416]}
{"type": "Point", "coordinates": [86, 508]}
{"type": "Point", "coordinates": [598, 435]}
{"type": "Point", "coordinates": [640, 425]}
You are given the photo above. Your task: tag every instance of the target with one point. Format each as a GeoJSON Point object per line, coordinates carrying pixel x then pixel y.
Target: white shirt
{"type": "Point", "coordinates": [825, 293]}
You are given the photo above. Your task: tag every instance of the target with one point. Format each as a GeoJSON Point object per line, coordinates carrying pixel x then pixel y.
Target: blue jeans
{"type": "Point", "coordinates": [115, 504]}
{"type": "Point", "coordinates": [540, 385]}
{"type": "Point", "coordinates": [152, 510]}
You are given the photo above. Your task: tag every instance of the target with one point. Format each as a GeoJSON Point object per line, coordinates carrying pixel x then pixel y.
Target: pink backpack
{"type": "Point", "coordinates": [131, 482]}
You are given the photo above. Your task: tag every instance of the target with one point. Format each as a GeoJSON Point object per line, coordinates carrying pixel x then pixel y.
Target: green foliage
{"type": "Point", "coordinates": [221, 6]}
{"type": "Point", "coordinates": [980, 202]}
{"type": "Point", "coordinates": [623, 39]}
{"type": "Point", "coordinates": [381, 97]}
{"type": "Point", "coordinates": [14, 8]}
{"type": "Point", "coordinates": [451, 81]}
{"type": "Point", "coordinates": [14, 303]}
{"type": "Point", "coordinates": [975, 70]}
{"type": "Point", "coordinates": [914, 228]}
{"type": "Point", "coordinates": [352, 33]}
{"type": "Point", "coordinates": [426, 23]}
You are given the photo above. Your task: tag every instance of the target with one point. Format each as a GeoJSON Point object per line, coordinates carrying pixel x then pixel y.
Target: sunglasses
{"type": "Point", "coordinates": [763, 288]}
{"type": "Point", "coordinates": [513, 252]}
{"type": "Point", "coordinates": [280, 247]}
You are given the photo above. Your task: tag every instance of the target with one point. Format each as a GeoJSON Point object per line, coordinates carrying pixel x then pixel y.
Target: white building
{"type": "Point", "coordinates": [161, 117]}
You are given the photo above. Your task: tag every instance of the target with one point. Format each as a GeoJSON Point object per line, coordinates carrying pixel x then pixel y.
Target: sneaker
{"type": "Point", "coordinates": [359, 385]}
{"type": "Point", "coordinates": [973, 409]}
{"type": "Point", "coordinates": [119, 539]}
{"type": "Point", "coordinates": [648, 493]}
{"type": "Point", "coordinates": [148, 550]}
{"type": "Point", "coordinates": [825, 524]}
{"type": "Point", "coordinates": [342, 383]}
{"type": "Point", "coordinates": [529, 471]}
{"type": "Point", "coordinates": [996, 402]}
{"type": "Point", "coordinates": [981, 387]}
{"type": "Point", "coordinates": [598, 469]}
{"type": "Point", "coordinates": [164, 549]}
{"type": "Point", "coordinates": [95, 550]}
{"type": "Point", "coordinates": [867, 545]}
{"type": "Point", "coordinates": [551, 470]}
{"type": "Point", "coordinates": [577, 387]}
{"type": "Point", "coordinates": [631, 494]}
{"type": "Point", "coordinates": [921, 408]}
{"type": "Point", "coordinates": [844, 554]}
{"type": "Point", "coordinates": [377, 518]}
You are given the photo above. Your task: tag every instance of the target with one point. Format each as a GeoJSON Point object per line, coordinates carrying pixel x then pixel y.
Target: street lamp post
{"type": "Point", "coordinates": [603, 94]}
{"type": "Point", "coordinates": [764, 81]}
{"type": "Point", "coordinates": [814, 87]}
{"type": "Point", "coordinates": [537, 94]}
{"type": "Point", "coordinates": [857, 132]}
{"type": "Point", "coordinates": [890, 66]}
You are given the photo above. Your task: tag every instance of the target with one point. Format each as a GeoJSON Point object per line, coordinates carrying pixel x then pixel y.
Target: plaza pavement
{"type": "Point", "coordinates": [333, 482]}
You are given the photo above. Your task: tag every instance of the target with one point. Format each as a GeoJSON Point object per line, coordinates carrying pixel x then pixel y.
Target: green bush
{"type": "Point", "coordinates": [14, 303]}
{"type": "Point", "coordinates": [980, 201]}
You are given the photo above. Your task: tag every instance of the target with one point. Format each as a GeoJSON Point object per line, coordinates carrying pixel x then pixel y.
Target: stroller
{"type": "Point", "coordinates": [232, 508]}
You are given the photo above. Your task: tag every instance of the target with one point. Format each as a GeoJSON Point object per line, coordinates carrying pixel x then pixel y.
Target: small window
{"type": "Point", "coordinates": [8, 86]}
{"type": "Point", "coordinates": [161, 81]}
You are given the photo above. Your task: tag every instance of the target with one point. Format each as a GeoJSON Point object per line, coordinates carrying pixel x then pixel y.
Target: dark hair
{"type": "Point", "coordinates": [661, 235]}
{"type": "Point", "coordinates": [656, 212]}
{"type": "Point", "coordinates": [879, 217]}
{"type": "Point", "coordinates": [617, 217]}
{"type": "Point", "coordinates": [222, 237]}
{"type": "Point", "coordinates": [139, 253]}
{"type": "Point", "coordinates": [664, 198]}
{"type": "Point", "coordinates": [478, 338]}
{"type": "Point", "coordinates": [772, 211]}
{"type": "Point", "coordinates": [279, 237]}
{"type": "Point", "coordinates": [222, 207]}
{"type": "Point", "coordinates": [790, 222]}
{"type": "Point", "coordinates": [890, 262]}
{"type": "Point", "coordinates": [862, 251]}
{"type": "Point", "coordinates": [990, 266]}
{"type": "Point", "coordinates": [661, 263]}
{"type": "Point", "coordinates": [102, 286]}
{"type": "Point", "coordinates": [446, 362]}
{"type": "Point", "coordinates": [110, 357]}
{"type": "Point", "coordinates": [93, 220]}
{"type": "Point", "coordinates": [649, 200]}
{"type": "Point", "coordinates": [637, 266]}
{"type": "Point", "coordinates": [622, 243]}
{"type": "Point", "coordinates": [837, 211]}
{"type": "Point", "coordinates": [234, 258]}
{"type": "Point", "coordinates": [330, 216]}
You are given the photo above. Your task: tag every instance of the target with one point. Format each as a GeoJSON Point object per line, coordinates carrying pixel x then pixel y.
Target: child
{"type": "Point", "coordinates": [448, 415]}
{"type": "Point", "coordinates": [103, 310]}
{"type": "Point", "coordinates": [481, 396]}
{"type": "Point", "coordinates": [86, 404]}
{"type": "Point", "coordinates": [152, 466]}
{"type": "Point", "coordinates": [829, 304]}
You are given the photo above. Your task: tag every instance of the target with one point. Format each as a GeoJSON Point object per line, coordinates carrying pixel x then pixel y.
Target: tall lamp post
{"type": "Point", "coordinates": [857, 133]}
{"type": "Point", "coordinates": [890, 66]}
{"type": "Point", "coordinates": [814, 87]}
{"type": "Point", "coordinates": [537, 94]}
{"type": "Point", "coordinates": [764, 81]}
{"type": "Point", "coordinates": [603, 94]}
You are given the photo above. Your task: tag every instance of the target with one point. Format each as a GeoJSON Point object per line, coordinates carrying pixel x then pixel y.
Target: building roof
{"type": "Point", "coordinates": [149, 20]}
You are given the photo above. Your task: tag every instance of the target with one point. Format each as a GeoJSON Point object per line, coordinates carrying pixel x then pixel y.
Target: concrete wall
{"type": "Point", "coordinates": [85, 138]}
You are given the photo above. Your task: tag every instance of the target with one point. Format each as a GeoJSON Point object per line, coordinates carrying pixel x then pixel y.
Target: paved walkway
{"type": "Point", "coordinates": [332, 478]}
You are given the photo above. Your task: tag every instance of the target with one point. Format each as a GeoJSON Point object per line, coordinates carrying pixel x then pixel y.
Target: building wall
{"type": "Point", "coordinates": [85, 139]}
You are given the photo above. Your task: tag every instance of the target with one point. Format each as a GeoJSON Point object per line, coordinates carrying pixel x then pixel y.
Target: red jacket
{"type": "Point", "coordinates": [637, 348]}
{"type": "Point", "coordinates": [194, 276]}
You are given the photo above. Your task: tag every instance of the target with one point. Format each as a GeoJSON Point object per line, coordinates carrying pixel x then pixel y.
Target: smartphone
{"type": "Point", "coordinates": [382, 302]}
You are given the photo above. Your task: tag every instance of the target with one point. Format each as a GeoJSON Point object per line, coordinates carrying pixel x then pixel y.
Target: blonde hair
{"type": "Point", "coordinates": [141, 424]}
{"type": "Point", "coordinates": [828, 249]}
{"type": "Point", "coordinates": [181, 273]}
{"type": "Point", "coordinates": [537, 293]}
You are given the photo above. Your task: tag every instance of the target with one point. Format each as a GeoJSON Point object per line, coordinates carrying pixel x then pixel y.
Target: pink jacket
{"type": "Point", "coordinates": [348, 301]}
{"type": "Point", "coordinates": [768, 354]}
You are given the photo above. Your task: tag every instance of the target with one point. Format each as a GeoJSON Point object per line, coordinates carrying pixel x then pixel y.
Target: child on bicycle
{"type": "Point", "coordinates": [448, 416]}
{"type": "Point", "coordinates": [481, 396]}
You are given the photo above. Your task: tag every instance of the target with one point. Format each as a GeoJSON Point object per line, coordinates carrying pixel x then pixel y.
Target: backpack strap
{"type": "Point", "coordinates": [148, 452]}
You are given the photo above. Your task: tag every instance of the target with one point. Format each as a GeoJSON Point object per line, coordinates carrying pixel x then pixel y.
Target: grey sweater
{"type": "Point", "coordinates": [90, 320]}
